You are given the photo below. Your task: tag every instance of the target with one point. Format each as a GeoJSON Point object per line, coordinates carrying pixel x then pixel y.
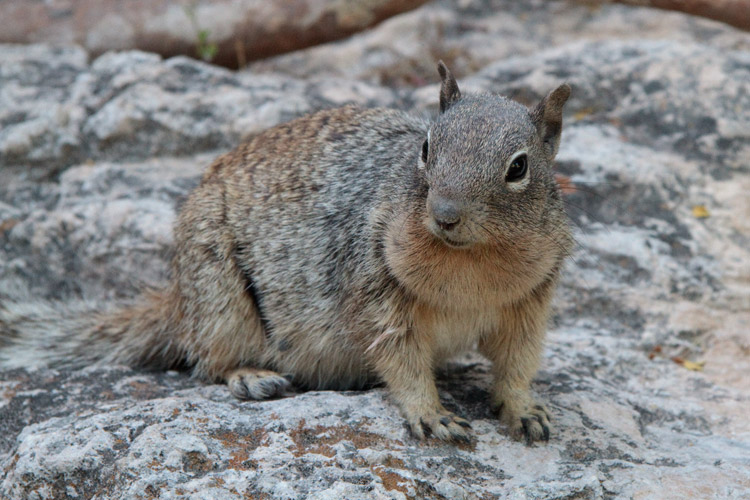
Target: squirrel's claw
{"type": "Point", "coordinates": [442, 425]}
{"type": "Point", "coordinates": [532, 425]}
{"type": "Point", "coordinates": [251, 383]}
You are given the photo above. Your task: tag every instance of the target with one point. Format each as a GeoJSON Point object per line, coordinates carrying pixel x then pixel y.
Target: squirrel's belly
{"type": "Point", "coordinates": [454, 331]}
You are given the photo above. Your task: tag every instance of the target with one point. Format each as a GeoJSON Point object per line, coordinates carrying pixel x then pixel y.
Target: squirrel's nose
{"type": "Point", "coordinates": [446, 214]}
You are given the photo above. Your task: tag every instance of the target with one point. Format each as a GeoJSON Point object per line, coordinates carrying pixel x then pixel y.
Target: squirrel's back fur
{"type": "Point", "coordinates": [349, 246]}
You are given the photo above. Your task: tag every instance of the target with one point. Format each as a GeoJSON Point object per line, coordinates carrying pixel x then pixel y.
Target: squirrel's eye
{"type": "Point", "coordinates": [425, 149]}
{"type": "Point", "coordinates": [517, 169]}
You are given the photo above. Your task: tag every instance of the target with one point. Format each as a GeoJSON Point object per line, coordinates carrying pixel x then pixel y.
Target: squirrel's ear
{"type": "Point", "coordinates": [449, 92]}
{"type": "Point", "coordinates": [547, 117]}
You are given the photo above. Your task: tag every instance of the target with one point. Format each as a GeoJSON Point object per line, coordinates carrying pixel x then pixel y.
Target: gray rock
{"type": "Point", "coordinates": [655, 131]}
{"type": "Point", "coordinates": [40, 119]}
{"type": "Point", "coordinates": [470, 34]}
{"type": "Point", "coordinates": [57, 111]}
{"type": "Point", "coordinates": [87, 234]}
{"type": "Point", "coordinates": [227, 32]}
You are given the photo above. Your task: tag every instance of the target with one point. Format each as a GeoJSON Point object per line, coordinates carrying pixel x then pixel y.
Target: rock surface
{"type": "Point", "coordinates": [733, 12]}
{"type": "Point", "coordinates": [56, 110]}
{"type": "Point", "coordinates": [226, 32]}
{"type": "Point", "coordinates": [96, 156]}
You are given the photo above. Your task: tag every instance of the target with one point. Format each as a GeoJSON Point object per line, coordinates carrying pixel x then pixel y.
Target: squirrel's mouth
{"type": "Point", "coordinates": [455, 239]}
{"type": "Point", "coordinates": [457, 244]}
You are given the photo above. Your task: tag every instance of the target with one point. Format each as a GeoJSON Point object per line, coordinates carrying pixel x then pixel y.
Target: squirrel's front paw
{"type": "Point", "coordinates": [531, 422]}
{"type": "Point", "coordinates": [442, 424]}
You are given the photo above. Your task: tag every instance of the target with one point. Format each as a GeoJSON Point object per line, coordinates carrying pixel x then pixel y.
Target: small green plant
{"type": "Point", "coordinates": [205, 48]}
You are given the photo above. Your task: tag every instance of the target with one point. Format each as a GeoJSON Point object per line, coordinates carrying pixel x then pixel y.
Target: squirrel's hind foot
{"type": "Point", "coordinates": [253, 383]}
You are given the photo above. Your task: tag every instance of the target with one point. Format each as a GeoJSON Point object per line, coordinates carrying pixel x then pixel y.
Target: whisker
{"type": "Point", "coordinates": [580, 189]}
{"type": "Point", "coordinates": [585, 211]}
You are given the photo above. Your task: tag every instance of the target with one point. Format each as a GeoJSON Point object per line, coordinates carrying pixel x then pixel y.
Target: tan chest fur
{"type": "Point", "coordinates": [470, 285]}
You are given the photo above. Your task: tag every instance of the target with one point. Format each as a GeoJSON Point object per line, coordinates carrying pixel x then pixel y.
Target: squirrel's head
{"type": "Point", "coordinates": [487, 162]}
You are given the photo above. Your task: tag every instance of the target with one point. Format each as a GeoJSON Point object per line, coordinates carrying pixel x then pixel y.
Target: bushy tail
{"type": "Point", "coordinates": [59, 335]}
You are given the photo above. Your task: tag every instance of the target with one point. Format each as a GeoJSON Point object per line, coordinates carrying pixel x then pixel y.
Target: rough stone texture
{"type": "Point", "coordinates": [658, 125]}
{"type": "Point", "coordinates": [733, 12]}
{"type": "Point", "coordinates": [470, 34]}
{"type": "Point", "coordinates": [227, 32]}
{"type": "Point", "coordinates": [57, 111]}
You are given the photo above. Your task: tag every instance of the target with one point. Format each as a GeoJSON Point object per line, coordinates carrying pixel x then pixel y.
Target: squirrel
{"type": "Point", "coordinates": [348, 247]}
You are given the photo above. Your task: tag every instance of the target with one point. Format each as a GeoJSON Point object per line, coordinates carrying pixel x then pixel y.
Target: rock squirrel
{"type": "Point", "coordinates": [346, 247]}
